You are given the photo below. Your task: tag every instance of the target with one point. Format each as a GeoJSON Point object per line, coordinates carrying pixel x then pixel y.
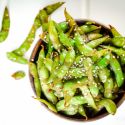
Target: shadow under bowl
{"type": "Point", "coordinates": [101, 114]}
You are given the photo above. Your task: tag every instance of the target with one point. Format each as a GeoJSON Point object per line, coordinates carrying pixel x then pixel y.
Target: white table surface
{"type": "Point", "coordinates": [17, 107]}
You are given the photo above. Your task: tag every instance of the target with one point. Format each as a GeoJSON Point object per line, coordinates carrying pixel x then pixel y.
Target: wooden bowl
{"type": "Point", "coordinates": [119, 100]}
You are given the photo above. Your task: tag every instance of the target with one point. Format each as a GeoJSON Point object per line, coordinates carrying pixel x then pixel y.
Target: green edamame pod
{"type": "Point", "coordinates": [62, 56]}
{"type": "Point", "coordinates": [48, 63]}
{"type": "Point", "coordinates": [64, 39]}
{"type": "Point", "coordinates": [5, 25]}
{"type": "Point", "coordinates": [79, 61]}
{"type": "Point", "coordinates": [58, 90]}
{"type": "Point", "coordinates": [68, 42]}
{"type": "Point", "coordinates": [87, 95]}
{"type": "Point", "coordinates": [99, 54]}
{"type": "Point", "coordinates": [117, 40]}
{"type": "Point", "coordinates": [54, 70]}
{"type": "Point", "coordinates": [97, 42]}
{"type": "Point", "coordinates": [48, 104]}
{"type": "Point", "coordinates": [117, 70]}
{"type": "Point", "coordinates": [18, 75]}
{"type": "Point", "coordinates": [88, 28]}
{"type": "Point", "coordinates": [119, 51]}
{"type": "Point", "coordinates": [115, 33]}
{"type": "Point", "coordinates": [104, 74]}
{"type": "Point", "coordinates": [104, 61]}
{"type": "Point", "coordinates": [15, 58]}
{"type": "Point", "coordinates": [88, 64]}
{"type": "Point", "coordinates": [63, 26]}
{"type": "Point", "coordinates": [69, 19]}
{"type": "Point", "coordinates": [45, 12]}
{"type": "Point", "coordinates": [49, 47]}
{"type": "Point", "coordinates": [81, 111]}
{"type": "Point", "coordinates": [68, 91]}
{"type": "Point", "coordinates": [75, 101]}
{"type": "Point", "coordinates": [53, 34]}
{"type": "Point", "coordinates": [82, 47]}
{"type": "Point", "coordinates": [51, 8]}
{"type": "Point", "coordinates": [69, 59]}
{"type": "Point", "coordinates": [93, 36]}
{"type": "Point", "coordinates": [108, 104]}
{"type": "Point", "coordinates": [34, 73]}
{"type": "Point", "coordinates": [108, 85]}
{"type": "Point", "coordinates": [43, 76]}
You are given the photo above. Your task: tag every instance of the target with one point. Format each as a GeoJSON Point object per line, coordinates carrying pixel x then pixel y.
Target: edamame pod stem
{"type": "Point", "coordinates": [108, 104]}
{"type": "Point", "coordinates": [34, 73]}
{"type": "Point", "coordinates": [5, 26]}
{"type": "Point", "coordinates": [115, 66]}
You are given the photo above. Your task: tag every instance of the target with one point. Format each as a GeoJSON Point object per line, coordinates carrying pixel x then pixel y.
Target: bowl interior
{"type": "Point", "coordinates": [102, 113]}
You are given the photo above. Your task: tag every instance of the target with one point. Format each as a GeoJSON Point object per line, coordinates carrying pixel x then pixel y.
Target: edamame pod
{"type": "Point", "coordinates": [5, 26]}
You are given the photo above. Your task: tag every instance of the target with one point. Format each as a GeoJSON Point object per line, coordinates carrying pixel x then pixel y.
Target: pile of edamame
{"type": "Point", "coordinates": [79, 68]}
